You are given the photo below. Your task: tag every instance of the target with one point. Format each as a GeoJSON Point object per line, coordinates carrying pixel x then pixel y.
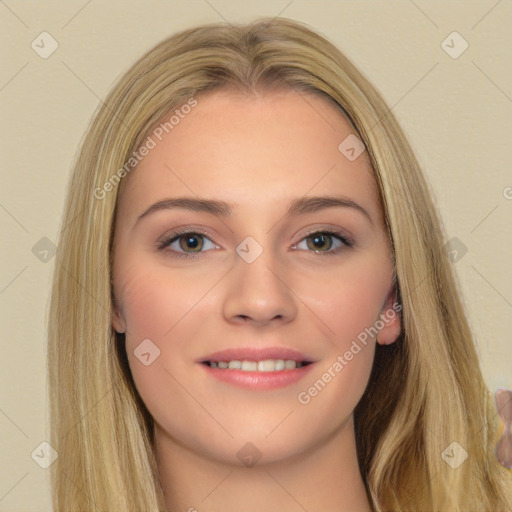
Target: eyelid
{"type": "Point", "coordinates": [173, 233]}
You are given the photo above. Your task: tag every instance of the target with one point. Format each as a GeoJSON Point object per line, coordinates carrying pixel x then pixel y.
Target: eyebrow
{"type": "Point", "coordinates": [300, 206]}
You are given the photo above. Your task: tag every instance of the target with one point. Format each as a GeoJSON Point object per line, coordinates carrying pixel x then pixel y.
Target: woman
{"type": "Point", "coordinates": [252, 305]}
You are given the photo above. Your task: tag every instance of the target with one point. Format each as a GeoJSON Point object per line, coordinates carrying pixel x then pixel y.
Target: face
{"type": "Point", "coordinates": [252, 273]}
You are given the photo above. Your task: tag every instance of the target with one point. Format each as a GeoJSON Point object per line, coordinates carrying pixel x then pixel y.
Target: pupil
{"type": "Point", "coordinates": [319, 240]}
{"type": "Point", "coordinates": [192, 242]}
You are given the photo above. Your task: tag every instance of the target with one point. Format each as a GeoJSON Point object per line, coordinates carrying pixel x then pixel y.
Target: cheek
{"type": "Point", "coordinates": [349, 303]}
{"type": "Point", "coordinates": [158, 308]}
{"type": "Point", "coordinates": [153, 301]}
{"type": "Point", "coordinates": [349, 300]}
{"type": "Point", "coordinates": [334, 389]}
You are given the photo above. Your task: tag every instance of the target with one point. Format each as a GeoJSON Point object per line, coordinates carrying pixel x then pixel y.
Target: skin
{"type": "Point", "coordinates": [258, 152]}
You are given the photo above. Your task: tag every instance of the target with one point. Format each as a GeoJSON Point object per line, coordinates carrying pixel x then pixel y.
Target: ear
{"type": "Point", "coordinates": [390, 316]}
{"type": "Point", "coordinates": [118, 321]}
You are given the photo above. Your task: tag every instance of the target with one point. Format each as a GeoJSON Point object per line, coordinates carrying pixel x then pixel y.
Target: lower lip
{"type": "Point", "coordinates": [258, 380]}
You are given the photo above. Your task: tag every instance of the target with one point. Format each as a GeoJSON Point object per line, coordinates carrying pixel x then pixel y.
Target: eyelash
{"type": "Point", "coordinates": [164, 245]}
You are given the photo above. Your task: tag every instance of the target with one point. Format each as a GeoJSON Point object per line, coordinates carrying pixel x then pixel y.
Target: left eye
{"type": "Point", "coordinates": [322, 242]}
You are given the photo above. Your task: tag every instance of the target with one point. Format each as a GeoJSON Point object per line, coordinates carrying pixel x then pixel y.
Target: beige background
{"type": "Point", "coordinates": [457, 113]}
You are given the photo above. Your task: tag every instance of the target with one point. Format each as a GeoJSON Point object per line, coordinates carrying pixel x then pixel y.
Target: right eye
{"type": "Point", "coordinates": [185, 243]}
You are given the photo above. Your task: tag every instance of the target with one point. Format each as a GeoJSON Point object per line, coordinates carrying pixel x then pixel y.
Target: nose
{"type": "Point", "coordinates": [260, 292]}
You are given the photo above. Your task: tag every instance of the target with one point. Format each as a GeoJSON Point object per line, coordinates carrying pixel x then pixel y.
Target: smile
{"type": "Point", "coordinates": [268, 365]}
{"type": "Point", "coordinates": [256, 369]}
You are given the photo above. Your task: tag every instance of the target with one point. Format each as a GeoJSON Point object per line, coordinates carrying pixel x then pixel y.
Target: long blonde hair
{"type": "Point", "coordinates": [426, 391]}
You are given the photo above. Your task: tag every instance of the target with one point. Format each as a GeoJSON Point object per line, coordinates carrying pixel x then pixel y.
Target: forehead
{"type": "Point", "coordinates": [252, 149]}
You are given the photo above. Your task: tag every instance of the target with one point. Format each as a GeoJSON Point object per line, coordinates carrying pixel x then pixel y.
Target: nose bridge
{"type": "Point", "coordinates": [257, 287]}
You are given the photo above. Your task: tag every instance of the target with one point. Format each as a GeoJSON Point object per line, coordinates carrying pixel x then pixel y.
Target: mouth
{"type": "Point", "coordinates": [257, 369]}
{"type": "Point", "coordinates": [266, 365]}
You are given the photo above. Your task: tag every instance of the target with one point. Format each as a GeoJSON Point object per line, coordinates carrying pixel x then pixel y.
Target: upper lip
{"type": "Point", "coordinates": [255, 354]}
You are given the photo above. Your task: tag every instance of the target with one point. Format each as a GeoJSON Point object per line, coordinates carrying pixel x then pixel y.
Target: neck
{"type": "Point", "coordinates": [324, 478]}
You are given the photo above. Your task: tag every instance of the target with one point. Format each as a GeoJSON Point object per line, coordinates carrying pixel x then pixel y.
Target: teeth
{"type": "Point", "coordinates": [249, 366]}
{"type": "Point", "coordinates": [269, 365]}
